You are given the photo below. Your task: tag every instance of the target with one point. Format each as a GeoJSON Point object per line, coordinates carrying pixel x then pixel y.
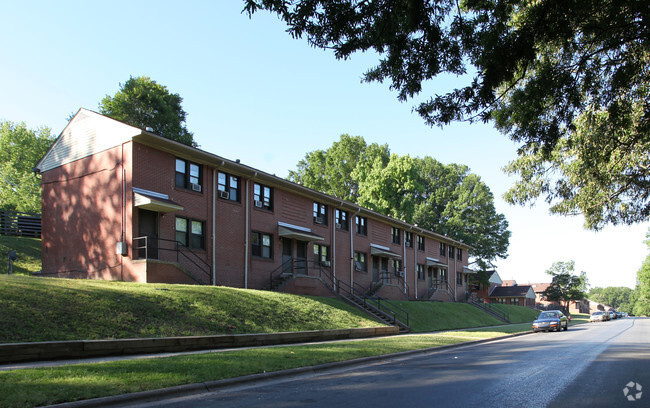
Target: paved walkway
{"type": "Point", "coordinates": [56, 363]}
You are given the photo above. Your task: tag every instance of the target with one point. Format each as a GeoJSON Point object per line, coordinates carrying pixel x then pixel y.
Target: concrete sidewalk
{"type": "Point", "coordinates": [11, 353]}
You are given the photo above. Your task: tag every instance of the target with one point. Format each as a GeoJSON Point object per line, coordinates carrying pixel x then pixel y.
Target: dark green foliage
{"type": "Point", "coordinates": [143, 103]}
{"type": "Point", "coordinates": [620, 298]}
{"type": "Point", "coordinates": [567, 79]}
{"type": "Point", "coordinates": [447, 199]}
{"type": "Point", "coordinates": [20, 151]}
{"type": "Point", "coordinates": [565, 286]}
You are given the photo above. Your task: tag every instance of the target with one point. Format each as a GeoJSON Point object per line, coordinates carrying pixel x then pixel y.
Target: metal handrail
{"type": "Point", "coordinates": [381, 304]}
{"type": "Point", "coordinates": [179, 248]}
{"type": "Point", "coordinates": [491, 309]}
{"type": "Point", "coordinates": [336, 285]}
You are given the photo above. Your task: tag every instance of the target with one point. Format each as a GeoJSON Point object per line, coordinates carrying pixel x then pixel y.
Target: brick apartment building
{"type": "Point", "coordinates": [120, 203]}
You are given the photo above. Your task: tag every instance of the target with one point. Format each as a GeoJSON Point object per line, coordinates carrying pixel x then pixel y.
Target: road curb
{"type": "Point", "coordinates": [212, 386]}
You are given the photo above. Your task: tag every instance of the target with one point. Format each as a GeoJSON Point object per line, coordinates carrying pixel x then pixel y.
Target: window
{"type": "Point", "coordinates": [190, 233]}
{"type": "Point", "coordinates": [459, 278]}
{"type": "Point", "coordinates": [397, 266]}
{"type": "Point", "coordinates": [188, 175]}
{"type": "Point", "coordinates": [361, 261]}
{"type": "Point", "coordinates": [362, 225]}
{"type": "Point", "coordinates": [408, 239]}
{"type": "Point", "coordinates": [228, 186]}
{"type": "Point", "coordinates": [342, 219]}
{"type": "Point", "coordinates": [514, 301]}
{"type": "Point", "coordinates": [395, 233]}
{"type": "Point", "coordinates": [451, 252]}
{"type": "Point", "coordinates": [420, 240]}
{"type": "Point", "coordinates": [320, 213]}
{"type": "Point", "coordinates": [321, 254]}
{"type": "Point", "coordinates": [443, 250]}
{"type": "Point", "coordinates": [263, 196]}
{"type": "Point", "coordinates": [459, 254]}
{"type": "Point", "coordinates": [420, 270]}
{"type": "Point", "coordinates": [262, 245]}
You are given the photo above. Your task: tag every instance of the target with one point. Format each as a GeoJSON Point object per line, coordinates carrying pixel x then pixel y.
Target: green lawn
{"type": "Point", "coordinates": [42, 386]}
{"type": "Point", "coordinates": [28, 251]}
{"type": "Point", "coordinates": [49, 309]}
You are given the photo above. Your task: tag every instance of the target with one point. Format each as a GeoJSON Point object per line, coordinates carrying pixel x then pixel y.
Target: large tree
{"type": "Point", "coordinates": [144, 103]}
{"type": "Point", "coordinates": [447, 199]}
{"type": "Point", "coordinates": [642, 291]}
{"type": "Point", "coordinates": [565, 286]}
{"type": "Point", "coordinates": [20, 150]}
{"type": "Point", "coordinates": [547, 72]}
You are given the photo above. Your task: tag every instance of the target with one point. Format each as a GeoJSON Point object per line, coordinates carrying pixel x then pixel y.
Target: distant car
{"type": "Point", "coordinates": [551, 320]}
{"type": "Point", "coordinates": [597, 317]}
{"type": "Point", "coordinates": [612, 315]}
{"type": "Point", "coordinates": [606, 316]}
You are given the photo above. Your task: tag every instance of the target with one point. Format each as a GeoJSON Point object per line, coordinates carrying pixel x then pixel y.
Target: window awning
{"type": "Point", "coordinates": [298, 233]}
{"type": "Point", "coordinates": [152, 201]}
{"type": "Point", "coordinates": [435, 262]}
{"type": "Point", "coordinates": [382, 251]}
{"type": "Point", "coordinates": [467, 270]}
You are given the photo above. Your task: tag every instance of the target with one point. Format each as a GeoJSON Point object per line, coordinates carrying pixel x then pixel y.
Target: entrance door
{"type": "Point", "coordinates": [429, 278]}
{"type": "Point", "coordinates": [287, 255]}
{"type": "Point", "coordinates": [301, 257]}
{"type": "Point", "coordinates": [375, 268]}
{"type": "Point", "coordinates": [148, 227]}
{"type": "Point", "coordinates": [384, 269]}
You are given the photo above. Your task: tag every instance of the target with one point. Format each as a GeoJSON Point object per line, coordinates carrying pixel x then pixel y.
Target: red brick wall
{"type": "Point", "coordinates": [82, 217]}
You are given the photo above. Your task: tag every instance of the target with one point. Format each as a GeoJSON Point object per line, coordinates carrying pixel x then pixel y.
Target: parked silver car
{"type": "Point", "coordinates": [597, 316]}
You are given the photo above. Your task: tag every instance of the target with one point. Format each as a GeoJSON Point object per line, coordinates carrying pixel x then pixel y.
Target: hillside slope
{"type": "Point", "coordinates": [48, 309]}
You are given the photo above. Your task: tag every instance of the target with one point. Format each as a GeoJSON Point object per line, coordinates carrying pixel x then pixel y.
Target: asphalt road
{"type": "Point", "coordinates": [590, 365]}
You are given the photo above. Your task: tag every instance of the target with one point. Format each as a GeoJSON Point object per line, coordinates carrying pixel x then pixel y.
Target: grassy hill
{"type": "Point", "coordinates": [28, 251]}
{"type": "Point", "coordinates": [48, 309]}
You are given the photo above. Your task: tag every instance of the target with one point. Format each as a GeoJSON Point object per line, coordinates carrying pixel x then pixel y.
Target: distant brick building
{"type": "Point", "coordinates": [518, 295]}
{"type": "Point", "coordinates": [121, 203]}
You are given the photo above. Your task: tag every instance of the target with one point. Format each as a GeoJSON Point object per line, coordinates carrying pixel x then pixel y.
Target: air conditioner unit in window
{"type": "Point", "coordinates": [326, 263]}
{"type": "Point", "coordinates": [259, 204]}
{"type": "Point", "coordinates": [408, 244]}
{"type": "Point", "coordinates": [196, 187]}
{"type": "Point", "coordinates": [319, 220]}
{"type": "Point", "coordinates": [338, 226]}
{"type": "Point", "coordinates": [224, 194]}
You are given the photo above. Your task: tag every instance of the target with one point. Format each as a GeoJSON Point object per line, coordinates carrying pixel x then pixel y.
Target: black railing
{"type": "Point", "coordinates": [394, 278]}
{"type": "Point", "coordinates": [385, 306]}
{"type": "Point", "coordinates": [20, 224]}
{"type": "Point", "coordinates": [437, 284]}
{"type": "Point", "coordinates": [302, 267]}
{"type": "Point", "coordinates": [173, 251]}
{"type": "Point", "coordinates": [492, 309]}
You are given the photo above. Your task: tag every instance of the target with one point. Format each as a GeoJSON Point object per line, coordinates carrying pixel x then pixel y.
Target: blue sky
{"type": "Point", "coordinates": [255, 94]}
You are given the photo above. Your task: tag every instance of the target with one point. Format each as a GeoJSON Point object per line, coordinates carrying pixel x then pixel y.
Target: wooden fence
{"type": "Point", "coordinates": [20, 223]}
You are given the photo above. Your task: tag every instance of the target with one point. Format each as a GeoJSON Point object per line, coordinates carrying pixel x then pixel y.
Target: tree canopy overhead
{"type": "Point", "coordinates": [447, 199]}
{"type": "Point", "coordinates": [569, 80]}
{"type": "Point", "coordinates": [144, 103]}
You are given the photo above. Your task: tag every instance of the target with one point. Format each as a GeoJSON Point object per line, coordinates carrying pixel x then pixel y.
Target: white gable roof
{"type": "Point", "coordinates": [86, 134]}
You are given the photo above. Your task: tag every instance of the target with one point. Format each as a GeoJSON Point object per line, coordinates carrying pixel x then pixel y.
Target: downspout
{"type": "Point", "coordinates": [123, 237]}
{"type": "Point", "coordinates": [404, 256]}
{"type": "Point", "coordinates": [415, 273]}
{"type": "Point", "coordinates": [214, 225]}
{"type": "Point", "coordinates": [333, 263]}
{"type": "Point", "coordinates": [352, 266]}
{"type": "Point", "coordinates": [247, 233]}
